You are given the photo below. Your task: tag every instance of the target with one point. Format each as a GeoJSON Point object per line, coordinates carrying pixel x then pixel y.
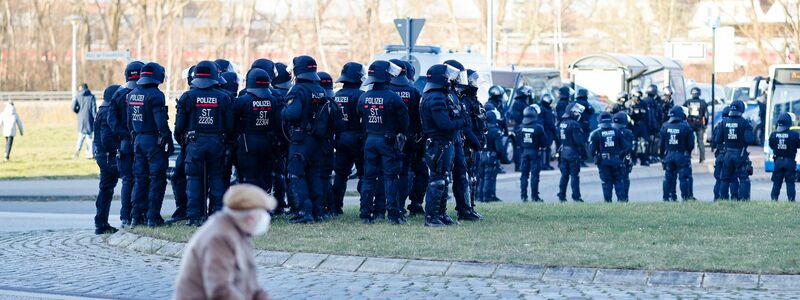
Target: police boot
{"type": "Point", "coordinates": [194, 223]}
{"type": "Point", "coordinates": [126, 224]}
{"type": "Point", "coordinates": [105, 229]}
{"type": "Point", "coordinates": [398, 221]}
{"type": "Point", "coordinates": [433, 221]}
{"type": "Point", "coordinates": [467, 216]}
{"type": "Point", "coordinates": [415, 209]}
{"type": "Point", "coordinates": [301, 219]}
{"type": "Point", "coordinates": [174, 220]}
{"type": "Point", "coordinates": [367, 221]}
{"type": "Point", "coordinates": [447, 220]}
{"type": "Point", "coordinates": [137, 222]}
{"type": "Point", "coordinates": [155, 223]}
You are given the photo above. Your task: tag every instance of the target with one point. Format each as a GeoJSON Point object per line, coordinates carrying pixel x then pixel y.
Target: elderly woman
{"type": "Point", "coordinates": [9, 122]}
{"type": "Point", "coordinates": [219, 261]}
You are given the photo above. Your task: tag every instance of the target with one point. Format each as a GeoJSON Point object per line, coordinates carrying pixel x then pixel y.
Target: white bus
{"type": "Point", "coordinates": [782, 89]}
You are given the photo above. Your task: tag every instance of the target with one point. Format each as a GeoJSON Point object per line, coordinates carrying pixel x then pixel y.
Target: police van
{"type": "Point", "coordinates": [782, 89]}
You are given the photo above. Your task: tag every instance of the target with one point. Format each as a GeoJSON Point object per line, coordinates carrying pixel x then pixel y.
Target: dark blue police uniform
{"type": "Point", "coordinates": [620, 122]}
{"type": "Point", "coordinates": [608, 145]}
{"type": "Point", "coordinates": [106, 146]}
{"type": "Point", "coordinates": [677, 143]}
{"type": "Point", "coordinates": [736, 134]}
{"type": "Point", "coordinates": [532, 140]}
{"type": "Point", "coordinates": [350, 140]}
{"type": "Point", "coordinates": [571, 152]}
{"type": "Point", "coordinates": [489, 164]}
{"type": "Point", "coordinates": [784, 143]}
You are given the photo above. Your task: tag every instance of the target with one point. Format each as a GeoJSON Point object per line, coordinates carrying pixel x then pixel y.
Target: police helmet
{"type": "Point", "coordinates": [652, 90]}
{"type": "Point", "coordinates": [676, 114]}
{"type": "Point", "coordinates": [622, 97]}
{"type": "Point", "coordinates": [326, 82]}
{"type": "Point", "coordinates": [231, 82]}
{"type": "Point", "coordinates": [283, 78]}
{"type": "Point", "coordinates": [582, 94]}
{"type": "Point", "coordinates": [151, 73]}
{"type": "Point", "coordinates": [489, 106]}
{"type": "Point", "coordinates": [188, 74]}
{"type": "Point", "coordinates": [400, 79]}
{"type": "Point", "coordinates": [439, 76]}
{"type": "Point", "coordinates": [636, 92]}
{"type": "Point", "coordinates": [257, 83]}
{"type": "Point", "coordinates": [668, 91]}
{"type": "Point", "coordinates": [206, 75]}
{"type": "Point", "coordinates": [529, 115]}
{"type": "Point", "coordinates": [108, 93]}
{"type": "Point", "coordinates": [496, 90]}
{"type": "Point", "coordinates": [785, 121]}
{"type": "Point", "coordinates": [305, 67]}
{"type": "Point", "coordinates": [565, 92]}
{"type": "Point", "coordinates": [266, 65]}
{"type": "Point", "coordinates": [474, 79]}
{"type": "Point", "coordinates": [132, 73]}
{"type": "Point", "coordinates": [726, 112]}
{"type": "Point", "coordinates": [524, 93]}
{"type": "Point", "coordinates": [352, 72]}
{"type": "Point", "coordinates": [225, 65]}
{"type": "Point", "coordinates": [604, 120]}
{"type": "Point", "coordinates": [695, 92]}
{"type": "Point", "coordinates": [574, 110]}
{"type": "Point", "coordinates": [411, 73]}
{"type": "Point", "coordinates": [381, 71]}
{"type": "Point", "coordinates": [462, 75]}
{"type": "Point", "coordinates": [737, 108]}
{"type": "Point", "coordinates": [547, 100]}
{"type": "Point", "coordinates": [620, 120]}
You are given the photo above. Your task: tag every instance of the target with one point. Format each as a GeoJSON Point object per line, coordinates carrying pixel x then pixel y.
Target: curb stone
{"type": "Point", "coordinates": [123, 239]}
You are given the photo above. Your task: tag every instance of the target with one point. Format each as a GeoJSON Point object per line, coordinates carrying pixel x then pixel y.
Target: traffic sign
{"type": "Point", "coordinates": [107, 55]}
{"type": "Point", "coordinates": [409, 30]}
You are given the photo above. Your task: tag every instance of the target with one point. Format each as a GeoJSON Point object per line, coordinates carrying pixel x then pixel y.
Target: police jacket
{"type": "Point", "coordinates": [572, 139]}
{"type": "Point", "coordinates": [655, 120]}
{"type": "Point", "coordinates": [347, 101]}
{"type": "Point", "coordinates": [784, 144]}
{"type": "Point", "coordinates": [411, 98]}
{"type": "Point", "coordinates": [532, 136]}
{"type": "Point", "coordinates": [497, 101]}
{"type": "Point", "coordinates": [640, 114]}
{"type": "Point", "coordinates": [382, 111]}
{"type": "Point", "coordinates": [105, 139]}
{"type": "Point", "coordinates": [494, 138]}
{"type": "Point", "coordinates": [328, 121]}
{"type": "Point", "coordinates": [257, 116]}
{"type": "Point", "coordinates": [118, 113]}
{"type": "Point", "coordinates": [561, 106]}
{"type": "Point", "coordinates": [303, 100]}
{"type": "Point", "coordinates": [609, 141]}
{"type": "Point", "coordinates": [618, 107]}
{"type": "Point", "coordinates": [698, 110]}
{"type": "Point", "coordinates": [147, 111]}
{"type": "Point", "coordinates": [472, 107]}
{"type": "Point", "coordinates": [281, 92]}
{"type": "Point", "coordinates": [627, 135]}
{"type": "Point", "coordinates": [548, 123]}
{"type": "Point", "coordinates": [204, 111]}
{"type": "Point", "coordinates": [440, 119]}
{"type": "Point", "coordinates": [676, 136]}
{"type": "Point", "coordinates": [735, 133]}
{"type": "Point", "coordinates": [587, 112]}
{"type": "Point", "coordinates": [514, 114]}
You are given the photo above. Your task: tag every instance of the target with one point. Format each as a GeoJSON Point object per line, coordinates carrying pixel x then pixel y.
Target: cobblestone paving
{"type": "Point", "coordinates": [76, 262]}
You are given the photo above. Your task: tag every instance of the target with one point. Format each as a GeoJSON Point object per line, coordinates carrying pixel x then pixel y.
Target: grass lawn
{"type": "Point", "coordinates": [727, 237]}
{"type": "Point", "coordinates": [45, 151]}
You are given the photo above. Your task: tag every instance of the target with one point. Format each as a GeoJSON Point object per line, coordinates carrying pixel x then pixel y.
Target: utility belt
{"type": "Point", "coordinates": [604, 156]}
{"type": "Point", "coordinates": [790, 158]}
{"type": "Point", "coordinates": [192, 136]}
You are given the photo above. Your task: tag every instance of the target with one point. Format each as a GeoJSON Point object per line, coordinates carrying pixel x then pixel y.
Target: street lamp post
{"type": "Point", "coordinates": [74, 21]}
{"type": "Point", "coordinates": [714, 23]}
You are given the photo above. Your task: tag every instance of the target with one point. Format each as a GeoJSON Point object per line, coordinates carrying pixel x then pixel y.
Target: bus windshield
{"type": "Point", "coordinates": [785, 98]}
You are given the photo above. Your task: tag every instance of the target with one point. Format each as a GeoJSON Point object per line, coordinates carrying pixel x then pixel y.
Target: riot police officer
{"type": "Point", "coordinates": [492, 150]}
{"type": "Point", "coordinates": [204, 123]}
{"type": "Point", "coordinates": [698, 110]}
{"type": "Point", "coordinates": [571, 152]}
{"type": "Point", "coordinates": [641, 115]}
{"type": "Point", "coordinates": [331, 112]}
{"type": "Point", "coordinates": [608, 145]}
{"type": "Point", "coordinates": [440, 124]}
{"type": "Point", "coordinates": [657, 117]}
{"type": "Point", "coordinates": [620, 122]}
{"type": "Point", "coordinates": [385, 120]}
{"type": "Point", "coordinates": [582, 98]}
{"type": "Point", "coordinates": [178, 180]}
{"type": "Point", "coordinates": [532, 139]}
{"type": "Point", "coordinates": [497, 97]}
{"type": "Point", "coordinates": [719, 158]}
{"type": "Point", "coordinates": [564, 95]}
{"type": "Point", "coordinates": [549, 124]}
{"type": "Point", "coordinates": [619, 106]}
{"type": "Point", "coordinates": [283, 79]}
{"type": "Point", "coordinates": [784, 143]}
{"type": "Point", "coordinates": [476, 138]}
{"type": "Point", "coordinates": [467, 138]}
{"type": "Point", "coordinates": [522, 98]}
{"type": "Point", "coordinates": [105, 154]}
{"type": "Point", "coordinates": [736, 134]}
{"type": "Point", "coordinates": [118, 120]}
{"type": "Point", "coordinates": [152, 145]}
{"type": "Point", "coordinates": [257, 122]}
{"type": "Point", "coordinates": [303, 102]}
{"type": "Point", "coordinates": [677, 143]}
{"type": "Point", "coordinates": [665, 103]}
{"type": "Point", "coordinates": [414, 174]}
{"type": "Point", "coordinates": [350, 141]}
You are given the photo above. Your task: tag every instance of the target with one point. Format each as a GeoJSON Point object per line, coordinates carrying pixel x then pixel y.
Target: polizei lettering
{"type": "Point", "coordinates": [373, 101]}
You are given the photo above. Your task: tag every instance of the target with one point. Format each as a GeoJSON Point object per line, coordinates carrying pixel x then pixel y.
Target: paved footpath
{"type": "Point", "coordinates": [78, 263]}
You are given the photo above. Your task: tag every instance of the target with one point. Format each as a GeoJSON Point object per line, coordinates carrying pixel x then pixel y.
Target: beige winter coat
{"type": "Point", "coordinates": [219, 263]}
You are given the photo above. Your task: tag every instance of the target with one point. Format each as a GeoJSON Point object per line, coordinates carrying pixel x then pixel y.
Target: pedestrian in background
{"type": "Point", "coordinates": [10, 121]}
{"type": "Point", "coordinates": [85, 106]}
{"type": "Point", "coordinates": [219, 260]}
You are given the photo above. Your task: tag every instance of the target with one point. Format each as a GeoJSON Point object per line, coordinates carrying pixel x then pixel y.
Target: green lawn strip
{"type": "Point", "coordinates": [725, 237]}
{"type": "Point", "coordinates": [45, 151]}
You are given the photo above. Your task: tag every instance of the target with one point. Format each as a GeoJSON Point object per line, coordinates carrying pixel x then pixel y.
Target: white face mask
{"type": "Point", "coordinates": [263, 224]}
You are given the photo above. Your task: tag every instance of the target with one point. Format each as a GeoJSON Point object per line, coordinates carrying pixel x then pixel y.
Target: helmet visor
{"type": "Point", "coordinates": [462, 78]}
{"type": "Point", "coordinates": [451, 73]}
{"type": "Point", "coordinates": [475, 80]}
{"type": "Point", "coordinates": [394, 69]}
